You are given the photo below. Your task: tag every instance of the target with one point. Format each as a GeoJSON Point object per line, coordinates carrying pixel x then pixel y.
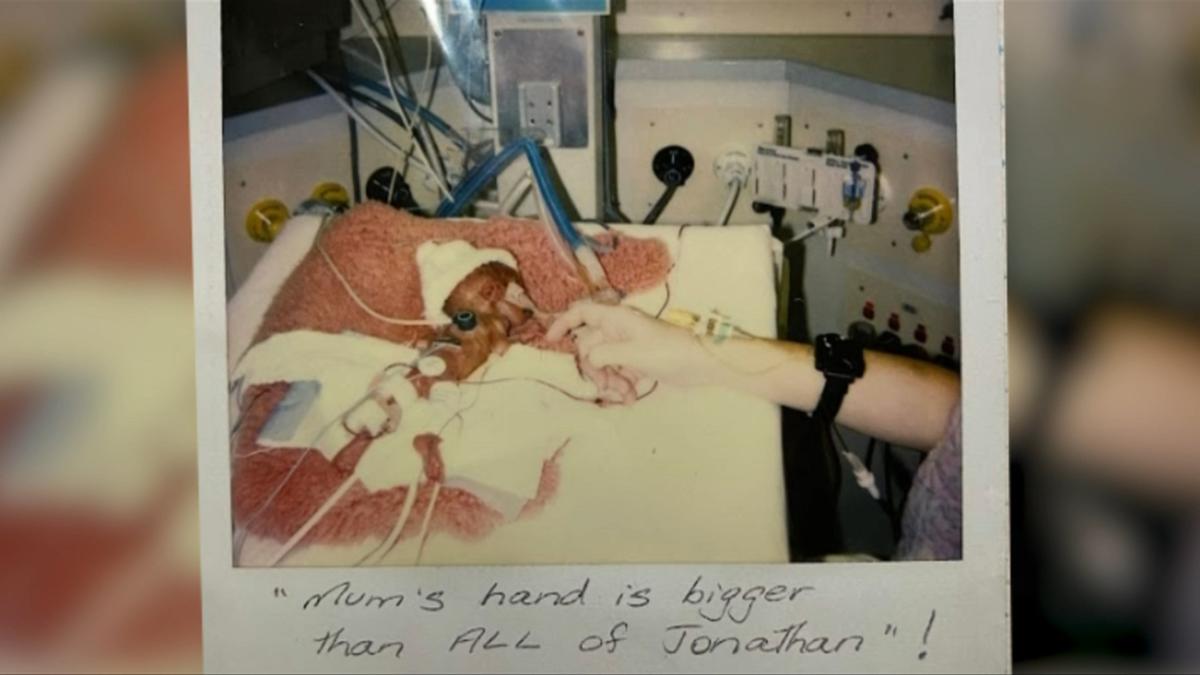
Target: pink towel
{"type": "Point", "coordinates": [374, 246]}
{"type": "Point", "coordinates": [276, 490]}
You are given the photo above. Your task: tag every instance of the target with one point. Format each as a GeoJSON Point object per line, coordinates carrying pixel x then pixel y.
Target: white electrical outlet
{"type": "Point", "coordinates": [540, 115]}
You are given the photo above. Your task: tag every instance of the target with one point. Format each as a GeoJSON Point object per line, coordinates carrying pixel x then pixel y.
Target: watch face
{"type": "Point", "coordinates": [838, 357]}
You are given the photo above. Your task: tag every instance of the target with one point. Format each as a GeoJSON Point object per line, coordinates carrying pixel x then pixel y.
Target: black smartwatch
{"type": "Point", "coordinates": [841, 361]}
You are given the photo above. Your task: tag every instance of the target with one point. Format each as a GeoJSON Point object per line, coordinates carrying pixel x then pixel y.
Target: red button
{"type": "Point", "coordinates": [919, 334]}
{"type": "Point", "coordinates": [948, 346]}
{"type": "Point", "coordinates": [894, 321]}
{"type": "Point", "coordinates": [868, 310]}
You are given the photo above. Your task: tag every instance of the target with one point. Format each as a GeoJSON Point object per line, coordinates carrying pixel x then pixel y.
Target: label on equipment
{"type": "Point", "coordinates": [810, 180]}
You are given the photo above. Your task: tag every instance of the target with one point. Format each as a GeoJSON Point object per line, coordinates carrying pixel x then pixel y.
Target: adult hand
{"type": "Point", "coordinates": [625, 338]}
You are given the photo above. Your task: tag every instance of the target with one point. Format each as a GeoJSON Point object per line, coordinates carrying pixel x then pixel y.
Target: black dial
{"type": "Point", "coordinates": [386, 185]}
{"type": "Point", "coordinates": [673, 165]}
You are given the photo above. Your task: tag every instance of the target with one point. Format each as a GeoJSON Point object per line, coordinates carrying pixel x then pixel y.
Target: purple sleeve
{"type": "Point", "coordinates": [932, 519]}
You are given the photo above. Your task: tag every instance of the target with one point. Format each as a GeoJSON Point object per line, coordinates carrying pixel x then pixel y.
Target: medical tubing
{"type": "Point", "coordinates": [515, 194]}
{"type": "Point", "coordinates": [474, 181]}
{"type": "Point", "coordinates": [393, 39]}
{"type": "Point", "coordinates": [734, 188]}
{"type": "Point", "coordinates": [364, 122]}
{"type": "Point", "coordinates": [423, 157]}
{"type": "Point", "coordinates": [425, 113]}
{"type": "Point", "coordinates": [479, 177]}
{"type": "Point", "coordinates": [656, 211]}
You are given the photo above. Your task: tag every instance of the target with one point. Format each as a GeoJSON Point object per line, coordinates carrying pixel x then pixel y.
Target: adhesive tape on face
{"type": "Point", "coordinates": [431, 366]}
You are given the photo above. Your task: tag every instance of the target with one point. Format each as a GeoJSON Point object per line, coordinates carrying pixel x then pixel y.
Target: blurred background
{"type": "Point", "coordinates": [98, 532]}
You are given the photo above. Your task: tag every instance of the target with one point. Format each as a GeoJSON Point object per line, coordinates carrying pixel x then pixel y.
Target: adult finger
{"type": "Point", "coordinates": [580, 313]}
{"type": "Point", "coordinates": [568, 320]}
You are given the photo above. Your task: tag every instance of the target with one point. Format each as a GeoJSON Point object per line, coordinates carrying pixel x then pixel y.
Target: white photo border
{"type": "Point", "coordinates": [247, 629]}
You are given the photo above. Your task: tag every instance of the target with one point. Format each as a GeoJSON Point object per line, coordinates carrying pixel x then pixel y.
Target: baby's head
{"type": "Point", "coordinates": [478, 296]}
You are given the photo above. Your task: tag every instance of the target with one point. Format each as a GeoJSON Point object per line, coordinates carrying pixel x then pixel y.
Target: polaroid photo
{"type": "Point", "coordinates": [583, 335]}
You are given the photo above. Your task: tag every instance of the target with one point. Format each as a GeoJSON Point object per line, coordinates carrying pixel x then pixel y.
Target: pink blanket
{"type": "Point", "coordinates": [277, 490]}
{"type": "Point", "coordinates": [375, 247]}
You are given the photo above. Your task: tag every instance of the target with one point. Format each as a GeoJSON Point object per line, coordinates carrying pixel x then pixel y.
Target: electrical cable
{"type": "Point", "coordinates": [887, 487]}
{"type": "Point", "coordinates": [735, 188]}
{"type": "Point", "coordinates": [656, 211]}
{"type": "Point", "coordinates": [428, 83]}
{"type": "Point", "coordinates": [474, 182]}
{"type": "Point", "coordinates": [432, 118]}
{"type": "Point", "coordinates": [393, 38]}
{"type": "Point", "coordinates": [355, 178]}
{"type": "Point", "coordinates": [363, 30]}
{"type": "Point", "coordinates": [438, 123]}
{"type": "Point", "coordinates": [383, 60]}
{"type": "Point", "coordinates": [423, 534]}
{"type": "Point", "coordinates": [358, 300]}
{"type": "Point", "coordinates": [367, 124]}
{"type": "Point", "coordinates": [812, 231]}
{"type": "Point", "coordinates": [385, 109]}
{"type": "Point", "coordinates": [240, 537]}
{"type": "Point", "coordinates": [435, 120]}
{"type": "Point", "coordinates": [478, 113]}
{"type": "Point", "coordinates": [515, 194]}
{"type": "Point", "coordinates": [862, 472]}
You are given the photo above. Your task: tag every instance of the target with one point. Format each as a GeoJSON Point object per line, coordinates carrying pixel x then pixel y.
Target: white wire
{"type": "Point", "coordinates": [515, 195]}
{"type": "Point", "coordinates": [426, 79]}
{"type": "Point", "coordinates": [385, 547]}
{"type": "Point", "coordinates": [311, 447]}
{"type": "Point", "coordinates": [425, 101]}
{"type": "Point", "coordinates": [359, 301]}
{"type": "Point", "coordinates": [370, 127]}
{"type": "Point", "coordinates": [433, 500]}
{"type": "Point", "coordinates": [332, 500]}
{"type": "Point", "coordinates": [819, 228]}
{"type": "Point", "coordinates": [309, 524]}
{"type": "Point", "coordinates": [735, 187]}
{"type": "Point", "coordinates": [387, 72]}
{"type": "Point", "coordinates": [405, 120]}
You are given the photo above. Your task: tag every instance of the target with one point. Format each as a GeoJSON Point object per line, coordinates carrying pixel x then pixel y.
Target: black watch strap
{"type": "Point", "coordinates": [841, 361]}
{"type": "Point", "coordinates": [831, 398]}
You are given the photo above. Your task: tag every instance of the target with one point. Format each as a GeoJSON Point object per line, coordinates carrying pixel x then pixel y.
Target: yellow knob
{"type": "Point", "coordinates": [265, 219]}
{"type": "Point", "coordinates": [922, 243]}
{"type": "Point", "coordinates": [332, 192]}
{"type": "Point", "coordinates": [937, 211]}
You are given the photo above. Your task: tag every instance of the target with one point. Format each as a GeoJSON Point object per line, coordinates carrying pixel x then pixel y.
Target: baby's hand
{"type": "Point", "coordinates": [380, 413]}
{"type": "Point", "coordinates": [371, 417]}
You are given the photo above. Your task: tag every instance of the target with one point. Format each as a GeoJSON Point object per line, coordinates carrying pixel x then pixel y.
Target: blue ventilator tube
{"type": "Point", "coordinates": [583, 247]}
{"type": "Point", "coordinates": [426, 114]}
